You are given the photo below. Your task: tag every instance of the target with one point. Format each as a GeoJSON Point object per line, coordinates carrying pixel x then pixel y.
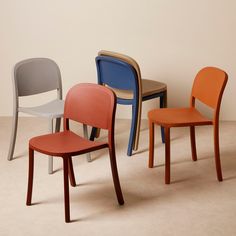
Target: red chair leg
{"type": "Point", "coordinates": [151, 144]}
{"type": "Point", "coordinates": [115, 176]}
{"type": "Point", "coordinates": [30, 177]}
{"type": "Point", "coordinates": [66, 190]}
{"type": "Point", "coordinates": [217, 152]}
{"type": "Point", "coordinates": [193, 143]}
{"type": "Point", "coordinates": [167, 155]}
{"type": "Point", "coordinates": [71, 172]}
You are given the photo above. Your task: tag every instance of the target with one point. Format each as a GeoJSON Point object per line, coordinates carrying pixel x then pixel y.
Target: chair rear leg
{"type": "Point", "coordinates": [167, 155]}
{"type": "Point", "coordinates": [162, 105]}
{"type": "Point", "coordinates": [115, 176]}
{"type": "Point", "coordinates": [50, 158]}
{"type": "Point", "coordinates": [13, 136]}
{"type": "Point", "coordinates": [151, 144]}
{"type": "Point", "coordinates": [217, 152]}
{"type": "Point", "coordinates": [85, 128]}
{"type": "Point", "coordinates": [193, 143]}
{"type": "Point", "coordinates": [66, 190]}
{"type": "Point", "coordinates": [30, 177]}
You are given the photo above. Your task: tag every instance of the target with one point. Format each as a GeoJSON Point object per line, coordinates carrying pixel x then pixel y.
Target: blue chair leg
{"type": "Point", "coordinates": [133, 128]}
{"type": "Point", "coordinates": [162, 105]}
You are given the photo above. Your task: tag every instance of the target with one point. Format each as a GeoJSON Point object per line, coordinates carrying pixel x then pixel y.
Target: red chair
{"type": "Point", "coordinates": [208, 87]}
{"type": "Point", "coordinates": [90, 104]}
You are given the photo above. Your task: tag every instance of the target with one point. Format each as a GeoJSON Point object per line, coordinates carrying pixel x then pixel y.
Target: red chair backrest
{"type": "Point", "coordinates": [208, 86]}
{"type": "Point", "coordinates": [91, 104]}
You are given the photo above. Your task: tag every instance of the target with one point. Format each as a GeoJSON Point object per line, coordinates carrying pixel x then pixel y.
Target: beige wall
{"type": "Point", "coordinates": [171, 40]}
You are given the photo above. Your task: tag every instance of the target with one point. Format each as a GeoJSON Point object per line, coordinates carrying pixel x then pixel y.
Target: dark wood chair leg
{"type": "Point", "coordinates": [71, 172]}
{"type": "Point", "coordinates": [167, 155]}
{"type": "Point", "coordinates": [30, 177]}
{"type": "Point", "coordinates": [115, 175]}
{"type": "Point", "coordinates": [193, 143]}
{"type": "Point", "coordinates": [66, 190]}
{"type": "Point", "coordinates": [217, 152]}
{"type": "Point", "coordinates": [151, 144]}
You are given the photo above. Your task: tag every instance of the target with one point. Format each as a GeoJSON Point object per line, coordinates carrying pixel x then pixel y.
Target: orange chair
{"type": "Point", "coordinates": [89, 104]}
{"type": "Point", "coordinates": [208, 87]}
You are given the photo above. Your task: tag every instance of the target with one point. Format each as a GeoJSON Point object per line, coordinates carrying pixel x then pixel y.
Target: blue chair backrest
{"type": "Point", "coordinates": [116, 73]}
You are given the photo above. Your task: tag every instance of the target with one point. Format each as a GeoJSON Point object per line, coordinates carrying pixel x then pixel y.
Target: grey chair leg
{"type": "Point", "coordinates": [50, 159]}
{"type": "Point", "coordinates": [13, 136]}
{"type": "Point", "coordinates": [86, 136]}
{"type": "Point", "coordinates": [58, 125]}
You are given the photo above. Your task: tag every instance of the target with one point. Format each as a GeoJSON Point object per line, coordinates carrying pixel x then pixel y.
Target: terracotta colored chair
{"type": "Point", "coordinates": [122, 74]}
{"type": "Point", "coordinates": [89, 104]}
{"type": "Point", "coordinates": [208, 87]}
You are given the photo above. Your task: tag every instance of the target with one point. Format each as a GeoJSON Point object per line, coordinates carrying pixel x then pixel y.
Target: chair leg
{"type": "Point", "coordinates": [58, 125]}
{"type": "Point", "coordinates": [193, 143]}
{"type": "Point", "coordinates": [71, 172]}
{"type": "Point", "coordinates": [217, 152]}
{"type": "Point", "coordinates": [13, 136]}
{"type": "Point", "coordinates": [30, 177]}
{"type": "Point", "coordinates": [66, 190]}
{"type": "Point", "coordinates": [86, 136]}
{"type": "Point", "coordinates": [151, 144]}
{"type": "Point", "coordinates": [133, 128]}
{"type": "Point", "coordinates": [50, 158]}
{"type": "Point", "coordinates": [115, 176]}
{"type": "Point", "coordinates": [167, 155]}
{"type": "Point", "coordinates": [162, 105]}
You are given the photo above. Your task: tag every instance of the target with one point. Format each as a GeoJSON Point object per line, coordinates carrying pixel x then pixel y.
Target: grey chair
{"type": "Point", "coordinates": [35, 76]}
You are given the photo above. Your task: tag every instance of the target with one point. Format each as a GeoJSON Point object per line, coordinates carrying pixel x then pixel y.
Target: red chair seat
{"type": "Point", "coordinates": [66, 142]}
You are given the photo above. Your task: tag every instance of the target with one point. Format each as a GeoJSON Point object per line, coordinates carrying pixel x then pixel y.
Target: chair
{"type": "Point", "coordinates": [90, 104]}
{"type": "Point", "coordinates": [121, 73]}
{"type": "Point", "coordinates": [208, 88]}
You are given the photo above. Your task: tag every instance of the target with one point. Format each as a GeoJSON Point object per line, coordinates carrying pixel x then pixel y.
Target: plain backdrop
{"type": "Point", "coordinates": [170, 39]}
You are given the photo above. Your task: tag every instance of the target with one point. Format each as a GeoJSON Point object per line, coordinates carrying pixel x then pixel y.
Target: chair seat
{"type": "Point", "coordinates": [62, 143]}
{"type": "Point", "coordinates": [177, 117]}
{"type": "Point", "coordinates": [53, 109]}
{"type": "Point", "coordinates": [149, 87]}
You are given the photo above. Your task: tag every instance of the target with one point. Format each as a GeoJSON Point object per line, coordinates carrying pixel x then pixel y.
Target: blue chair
{"type": "Point", "coordinates": [122, 74]}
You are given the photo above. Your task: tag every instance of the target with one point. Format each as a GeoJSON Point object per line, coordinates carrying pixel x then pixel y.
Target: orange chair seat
{"type": "Point", "coordinates": [62, 143]}
{"type": "Point", "coordinates": [178, 117]}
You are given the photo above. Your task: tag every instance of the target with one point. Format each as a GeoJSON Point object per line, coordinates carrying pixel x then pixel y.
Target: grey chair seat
{"type": "Point", "coordinates": [53, 109]}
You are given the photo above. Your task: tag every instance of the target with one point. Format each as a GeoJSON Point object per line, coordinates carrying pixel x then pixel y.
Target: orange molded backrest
{"type": "Point", "coordinates": [91, 104]}
{"type": "Point", "coordinates": [209, 85]}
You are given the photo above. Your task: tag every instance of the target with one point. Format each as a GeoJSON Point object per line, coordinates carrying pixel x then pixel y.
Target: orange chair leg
{"type": "Point", "coordinates": [217, 152]}
{"type": "Point", "coordinates": [193, 143]}
{"type": "Point", "coordinates": [115, 176]}
{"type": "Point", "coordinates": [151, 144]}
{"type": "Point", "coordinates": [71, 172]}
{"type": "Point", "coordinates": [66, 190]}
{"type": "Point", "coordinates": [167, 155]}
{"type": "Point", "coordinates": [30, 177]}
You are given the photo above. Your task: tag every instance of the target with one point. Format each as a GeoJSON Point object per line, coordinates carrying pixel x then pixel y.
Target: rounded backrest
{"type": "Point", "coordinates": [36, 75]}
{"type": "Point", "coordinates": [116, 73]}
{"type": "Point", "coordinates": [209, 85]}
{"type": "Point", "coordinates": [91, 104]}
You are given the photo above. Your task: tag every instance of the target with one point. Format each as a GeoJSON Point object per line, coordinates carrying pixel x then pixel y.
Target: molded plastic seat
{"type": "Point", "coordinates": [89, 104]}
{"type": "Point", "coordinates": [208, 87]}
{"type": "Point", "coordinates": [122, 74]}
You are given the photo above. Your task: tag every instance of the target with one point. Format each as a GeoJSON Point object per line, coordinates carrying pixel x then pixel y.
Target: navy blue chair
{"type": "Point", "coordinates": [121, 73]}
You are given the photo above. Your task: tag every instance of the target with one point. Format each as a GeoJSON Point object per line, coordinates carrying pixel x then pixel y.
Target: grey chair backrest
{"type": "Point", "coordinates": [37, 75]}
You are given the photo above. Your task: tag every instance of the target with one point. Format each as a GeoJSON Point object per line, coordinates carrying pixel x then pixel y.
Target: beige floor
{"type": "Point", "coordinates": [195, 203]}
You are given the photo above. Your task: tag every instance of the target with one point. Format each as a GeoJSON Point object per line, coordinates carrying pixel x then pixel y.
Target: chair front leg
{"type": "Point", "coordinates": [217, 152]}
{"type": "Point", "coordinates": [58, 125]}
{"type": "Point", "coordinates": [71, 172]}
{"type": "Point", "coordinates": [151, 144]}
{"type": "Point", "coordinates": [85, 129]}
{"type": "Point", "coordinates": [163, 105]}
{"type": "Point", "coordinates": [30, 177]}
{"type": "Point", "coordinates": [167, 155]}
{"type": "Point", "coordinates": [66, 190]}
{"type": "Point", "coordinates": [50, 158]}
{"type": "Point", "coordinates": [193, 143]}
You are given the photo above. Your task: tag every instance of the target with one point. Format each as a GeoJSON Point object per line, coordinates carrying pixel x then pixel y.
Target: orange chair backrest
{"type": "Point", "coordinates": [208, 86]}
{"type": "Point", "coordinates": [90, 104]}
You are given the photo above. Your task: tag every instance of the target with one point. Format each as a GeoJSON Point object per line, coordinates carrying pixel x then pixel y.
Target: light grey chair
{"type": "Point", "coordinates": [35, 76]}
